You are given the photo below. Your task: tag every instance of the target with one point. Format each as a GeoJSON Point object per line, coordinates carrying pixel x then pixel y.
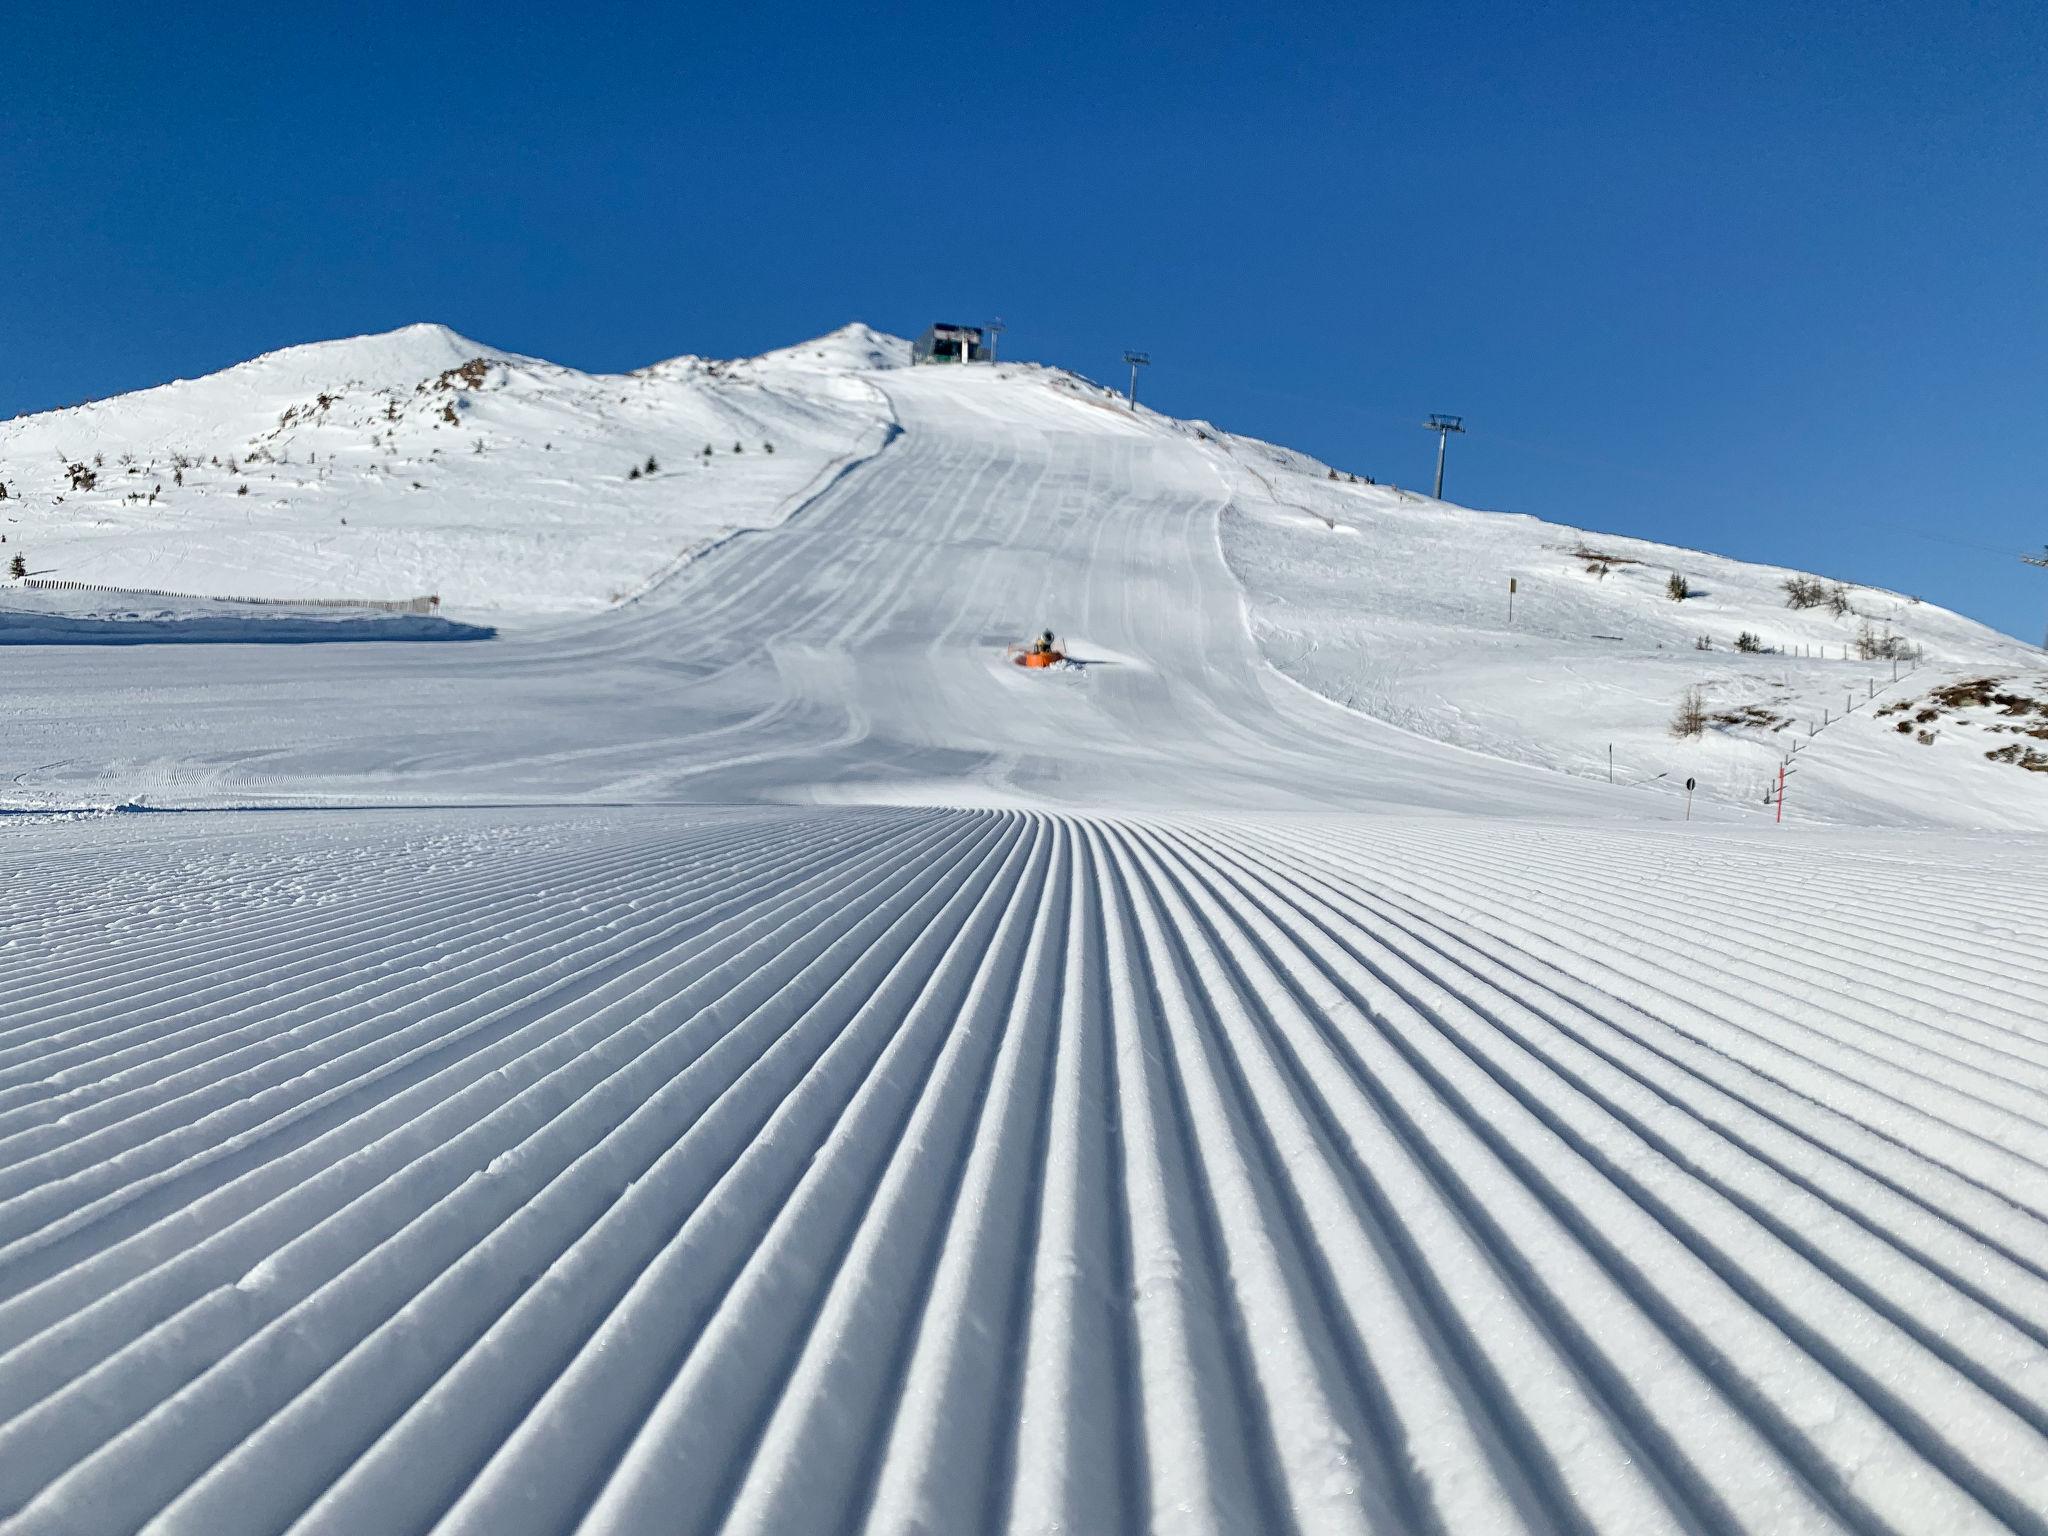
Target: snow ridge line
{"type": "Point", "coordinates": [971, 1170]}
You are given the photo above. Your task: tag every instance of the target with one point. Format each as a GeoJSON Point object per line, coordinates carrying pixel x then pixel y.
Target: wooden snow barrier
{"type": "Point", "coordinates": [427, 604]}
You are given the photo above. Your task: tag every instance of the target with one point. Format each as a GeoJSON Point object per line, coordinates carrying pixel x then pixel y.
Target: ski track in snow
{"type": "Point", "coordinates": [756, 1063]}
{"type": "Point", "coordinates": [895, 1169]}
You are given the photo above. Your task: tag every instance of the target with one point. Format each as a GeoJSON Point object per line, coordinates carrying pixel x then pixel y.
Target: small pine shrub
{"type": "Point", "coordinates": [767, 447]}
{"type": "Point", "coordinates": [1748, 642]}
{"type": "Point", "coordinates": [633, 473]}
{"type": "Point", "coordinates": [241, 490]}
{"type": "Point", "coordinates": [1678, 589]}
{"type": "Point", "coordinates": [1704, 643]}
{"type": "Point", "coordinates": [651, 465]}
{"type": "Point", "coordinates": [18, 567]}
{"type": "Point", "coordinates": [736, 448]}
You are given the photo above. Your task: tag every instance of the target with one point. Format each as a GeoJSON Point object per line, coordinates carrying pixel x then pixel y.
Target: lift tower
{"type": "Point", "coordinates": [1137, 360]}
{"type": "Point", "coordinates": [2041, 560]}
{"type": "Point", "coordinates": [1443, 426]}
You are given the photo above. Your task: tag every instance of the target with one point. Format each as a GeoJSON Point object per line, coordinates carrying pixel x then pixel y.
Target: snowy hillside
{"type": "Point", "coordinates": [1397, 605]}
{"type": "Point", "coordinates": [420, 461]}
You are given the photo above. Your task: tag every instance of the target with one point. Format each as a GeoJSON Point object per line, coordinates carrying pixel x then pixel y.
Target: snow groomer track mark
{"type": "Point", "coordinates": [955, 1170]}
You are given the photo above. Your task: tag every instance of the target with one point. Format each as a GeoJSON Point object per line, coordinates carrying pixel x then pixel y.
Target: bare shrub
{"type": "Point", "coordinates": [1812, 592]}
{"type": "Point", "coordinates": [1691, 716]}
{"type": "Point", "coordinates": [1875, 645]}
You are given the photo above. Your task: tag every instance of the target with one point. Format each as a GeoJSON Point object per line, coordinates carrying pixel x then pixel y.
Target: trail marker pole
{"type": "Point", "coordinates": [1511, 609]}
{"type": "Point", "coordinates": [1688, 798]}
{"type": "Point", "coordinates": [1781, 792]}
{"type": "Point", "coordinates": [1610, 762]}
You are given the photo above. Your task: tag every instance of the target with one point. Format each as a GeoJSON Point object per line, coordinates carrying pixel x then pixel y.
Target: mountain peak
{"type": "Point", "coordinates": [853, 346]}
{"type": "Point", "coordinates": [381, 359]}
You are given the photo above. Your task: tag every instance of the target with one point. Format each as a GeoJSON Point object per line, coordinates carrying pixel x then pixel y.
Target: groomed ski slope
{"type": "Point", "coordinates": [963, 1171]}
{"type": "Point", "coordinates": [754, 1062]}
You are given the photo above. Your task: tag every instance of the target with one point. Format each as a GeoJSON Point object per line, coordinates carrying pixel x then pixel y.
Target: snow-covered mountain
{"type": "Point", "coordinates": [420, 461]}
{"type": "Point", "coordinates": [747, 1057]}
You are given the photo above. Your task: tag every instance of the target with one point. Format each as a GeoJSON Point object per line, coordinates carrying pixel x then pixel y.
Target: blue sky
{"type": "Point", "coordinates": [1763, 279]}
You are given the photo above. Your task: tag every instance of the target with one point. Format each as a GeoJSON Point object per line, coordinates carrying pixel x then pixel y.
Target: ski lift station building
{"type": "Point", "coordinates": [950, 344]}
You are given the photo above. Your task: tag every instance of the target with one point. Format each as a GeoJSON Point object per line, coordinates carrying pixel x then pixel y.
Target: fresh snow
{"type": "Point", "coordinates": [725, 1051]}
{"type": "Point", "coordinates": [421, 462]}
{"type": "Point", "coordinates": [1398, 606]}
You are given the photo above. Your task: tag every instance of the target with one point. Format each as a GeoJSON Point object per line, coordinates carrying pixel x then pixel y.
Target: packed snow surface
{"type": "Point", "coordinates": [727, 1051]}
